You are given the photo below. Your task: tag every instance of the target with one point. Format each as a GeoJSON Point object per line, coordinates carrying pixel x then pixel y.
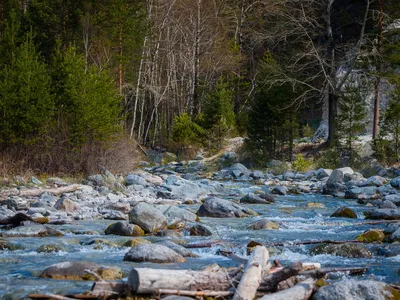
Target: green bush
{"type": "Point", "coordinates": [301, 164]}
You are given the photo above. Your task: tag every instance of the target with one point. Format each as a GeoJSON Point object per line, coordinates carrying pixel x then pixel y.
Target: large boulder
{"type": "Point", "coordinates": [200, 230]}
{"type": "Point", "coordinates": [155, 253]}
{"type": "Point", "coordinates": [134, 179]}
{"type": "Point", "coordinates": [176, 213]}
{"type": "Point", "coordinates": [345, 250]}
{"type": "Point", "coordinates": [124, 229]}
{"type": "Point", "coordinates": [253, 199]}
{"type": "Point", "coordinates": [219, 208]}
{"type": "Point", "coordinates": [280, 190]}
{"type": "Point", "coordinates": [344, 212]}
{"type": "Point", "coordinates": [149, 218]}
{"type": "Point", "coordinates": [383, 214]}
{"type": "Point", "coordinates": [323, 173]}
{"type": "Point", "coordinates": [237, 170]}
{"type": "Point", "coordinates": [334, 184]}
{"type": "Point", "coordinates": [76, 271]}
{"type": "Point", "coordinates": [356, 290]}
{"type": "Point", "coordinates": [374, 181]}
{"type": "Point", "coordinates": [5, 213]}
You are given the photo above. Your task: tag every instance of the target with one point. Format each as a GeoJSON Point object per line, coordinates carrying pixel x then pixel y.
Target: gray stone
{"type": "Point", "coordinates": [124, 229]}
{"type": "Point", "coordinates": [237, 170]}
{"type": "Point", "coordinates": [346, 170]}
{"type": "Point", "coordinates": [115, 215]}
{"type": "Point", "coordinates": [345, 250]}
{"type": "Point", "coordinates": [253, 199]}
{"type": "Point", "coordinates": [34, 180]}
{"type": "Point", "coordinates": [219, 208]}
{"type": "Point", "coordinates": [384, 214]}
{"type": "Point", "coordinates": [395, 182]}
{"type": "Point", "coordinates": [200, 230]}
{"type": "Point", "coordinates": [374, 181]}
{"type": "Point", "coordinates": [178, 248]}
{"type": "Point", "coordinates": [76, 271]}
{"type": "Point", "coordinates": [148, 218]}
{"type": "Point", "coordinates": [396, 235]}
{"type": "Point", "coordinates": [322, 173]}
{"type": "Point", "coordinates": [344, 212]}
{"type": "Point", "coordinates": [387, 204]}
{"type": "Point", "coordinates": [172, 212]}
{"type": "Point", "coordinates": [280, 190]}
{"type": "Point", "coordinates": [67, 205]}
{"type": "Point", "coordinates": [334, 184]}
{"type": "Point", "coordinates": [394, 198]}
{"type": "Point", "coordinates": [5, 213]}
{"type": "Point", "coordinates": [155, 253]}
{"type": "Point", "coordinates": [132, 179]}
{"type": "Point", "coordinates": [35, 230]}
{"type": "Point", "coordinates": [56, 181]}
{"type": "Point", "coordinates": [355, 290]}
{"type": "Point", "coordinates": [257, 174]}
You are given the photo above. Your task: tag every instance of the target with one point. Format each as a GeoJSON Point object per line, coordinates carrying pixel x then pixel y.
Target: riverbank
{"type": "Point", "coordinates": [178, 204]}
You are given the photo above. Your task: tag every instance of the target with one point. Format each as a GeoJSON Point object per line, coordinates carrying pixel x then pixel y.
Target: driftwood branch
{"type": "Point", "coordinates": [205, 293]}
{"type": "Point", "coordinates": [251, 279]}
{"type": "Point", "coordinates": [301, 291]}
{"type": "Point", "coordinates": [37, 192]}
{"type": "Point", "coordinates": [95, 275]}
{"type": "Point", "coordinates": [320, 273]}
{"type": "Point", "coordinates": [311, 242]}
{"type": "Point", "coordinates": [270, 282]}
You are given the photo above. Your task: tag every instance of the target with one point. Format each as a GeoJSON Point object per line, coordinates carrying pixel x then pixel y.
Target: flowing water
{"type": "Point", "coordinates": [19, 269]}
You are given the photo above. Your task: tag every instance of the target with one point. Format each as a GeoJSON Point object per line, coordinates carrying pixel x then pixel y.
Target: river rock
{"type": "Point", "coordinates": [134, 179]}
{"type": "Point", "coordinates": [345, 250]}
{"type": "Point", "coordinates": [322, 173]}
{"type": "Point", "coordinates": [383, 214]}
{"type": "Point", "coordinates": [344, 212]}
{"type": "Point", "coordinates": [178, 248]}
{"type": "Point", "coordinates": [6, 245]}
{"type": "Point", "coordinates": [219, 208]}
{"type": "Point", "coordinates": [395, 182]}
{"type": "Point", "coordinates": [371, 235]}
{"type": "Point", "coordinates": [55, 181]}
{"type": "Point", "coordinates": [356, 290]}
{"type": "Point", "coordinates": [34, 230]}
{"type": "Point", "coordinates": [374, 181]}
{"type": "Point", "coordinates": [264, 224]}
{"type": "Point", "coordinates": [253, 199]}
{"type": "Point", "coordinates": [49, 248]}
{"type": "Point", "coordinates": [200, 230]}
{"type": "Point", "coordinates": [67, 205]}
{"type": "Point", "coordinates": [394, 198]}
{"type": "Point", "coordinates": [134, 242]}
{"type": "Point", "coordinates": [124, 229]}
{"type": "Point", "coordinates": [114, 215]}
{"type": "Point", "coordinates": [280, 190]}
{"type": "Point", "coordinates": [268, 197]}
{"type": "Point", "coordinates": [36, 181]}
{"type": "Point", "coordinates": [364, 193]}
{"type": "Point", "coordinates": [148, 218]}
{"type": "Point", "coordinates": [334, 184]}
{"type": "Point", "coordinates": [172, 212]}
{"type": "Point", "coordinates": [5, 213]}
{"type": "Point", "coordinates": [346, 170]}
{"type": "Point", "coordinates": [155, 253]}
{"type": "Point", "coordinates": [237, 170]}
{"type": "Point", "coordinates": [387, 204]}
{"type": "Point", "coordinates": [395, 235]}
{"type": "Point", "coordinates": [76, 271]}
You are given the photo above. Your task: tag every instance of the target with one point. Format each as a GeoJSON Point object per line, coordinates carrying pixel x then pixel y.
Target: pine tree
{"type": "Point", "coordinates": [351, 120]}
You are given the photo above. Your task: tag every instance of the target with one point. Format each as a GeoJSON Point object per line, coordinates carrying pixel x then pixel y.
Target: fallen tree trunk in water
{"type": "Point", "coordinates": [270, 282]}
{"type": "Point", "coordinates": [312, 242]}
{"type": "Point", "coordinates": [256, 266]}
{"type": "Point", "coordinates": [150, 281]}
{"type": "Point", "coordinates": [320, 273]}
{"type": "Point", "coordinates": [301, 291]}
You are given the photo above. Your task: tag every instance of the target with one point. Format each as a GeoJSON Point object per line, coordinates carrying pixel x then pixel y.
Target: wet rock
{"type": "Point", "coordinates": [280, 190]}
{"type": "Point", "coordinates": [172, 212]}
{"type": "Point", "coordinates": [315, 205]}
{"type": "Point", "coordinates": [31, 231]}
{"type": "Point", "coordinates": [49, 248]}
{"type": "Point", "coordinates": [334, 184]}
{"type": "Point", "coordinates": [356, 290]}
{"type": "Point", "coordinates": [200, 230]}
{"type": "Point", "coordinates": [345, 250]}
{"type": "Point", "coordinates": [98, 243]}
{"type": "Point", "coordinates": [148, 218]}
{"type": "Point", "coordinates": [178, 248]}
{"type": "Point", "coordinates": [237, 170]}
{"type": "Point", "coordinates": [374, 181]}
{"type": "Point", "coordinates": [76, 271]}
{"type": "Point", "coordinates": [387, 204]}
{"type": "Point", "coordinates": [394, 198]}
{"type": "Point", "coordinates": [383, 214]}
{"type": "Point", "coordinates": [170, 233]}
{"type": "Point", "coordinates": [219, 208]}
{"type": "Point", "coordinates": [322, 173]}
{"type": "Point", "coordinates": [372, 235]}
{"type": "Point", "coordinates": [134, 179]}
{"type": "Point", "coordinates": [264, 224]}
{"type": "Point", "coordinates": [344, 212]}
{"type": "Point", "coordinates": [253, 199]}
{"type": "Point", "coordinates": [67, 205]}
{"type": "Point", "coordinates": [124, 229]}
{"type": "Point", "coordinates": [134, 242]}
{"type": "Point", "coordinates": [268, 197]}
{"type": "Point", "coordinates": [6, 245]}
{"type": "Point", "coordinates": [153, 253]}
{"type": "Point", "coordinates": [5, 213]}
{"type": "Point", "coordinates": [395, 182]}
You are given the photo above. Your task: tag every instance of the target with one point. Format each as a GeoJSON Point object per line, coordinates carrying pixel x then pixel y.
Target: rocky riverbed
{"type": "Point", "coordinates": [110, 224]}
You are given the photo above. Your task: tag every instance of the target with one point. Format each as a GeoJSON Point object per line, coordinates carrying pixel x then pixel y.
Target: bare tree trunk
{"type": "Point", "coordinates": [375, 129]}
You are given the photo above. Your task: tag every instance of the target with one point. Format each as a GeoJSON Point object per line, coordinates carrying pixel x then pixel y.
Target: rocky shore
{"type": "Point", "coordinates": [171, 201]}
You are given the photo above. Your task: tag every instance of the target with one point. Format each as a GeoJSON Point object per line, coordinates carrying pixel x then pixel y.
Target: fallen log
{"type": "Point", "coordinates": [256, 266]}
{"type": "Point", "coordinates": [49, 296]}
{"type": "Point", "coordinates": [150, 281]}
{"type": "Point", "coordinates": [312, 242]}
{"type": "Point", "coordinates": [270, 282]}
{"type": "Point", "coordinates": [37, 192]}
{"type": "Point", "coordinates": [205, 293]}
{"type": "Point", "coordinates": [202, 245]}
{"type": "Point", "coordinates": [320, 273]}
{"type": "Point", "coordinates": [301, 291]}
